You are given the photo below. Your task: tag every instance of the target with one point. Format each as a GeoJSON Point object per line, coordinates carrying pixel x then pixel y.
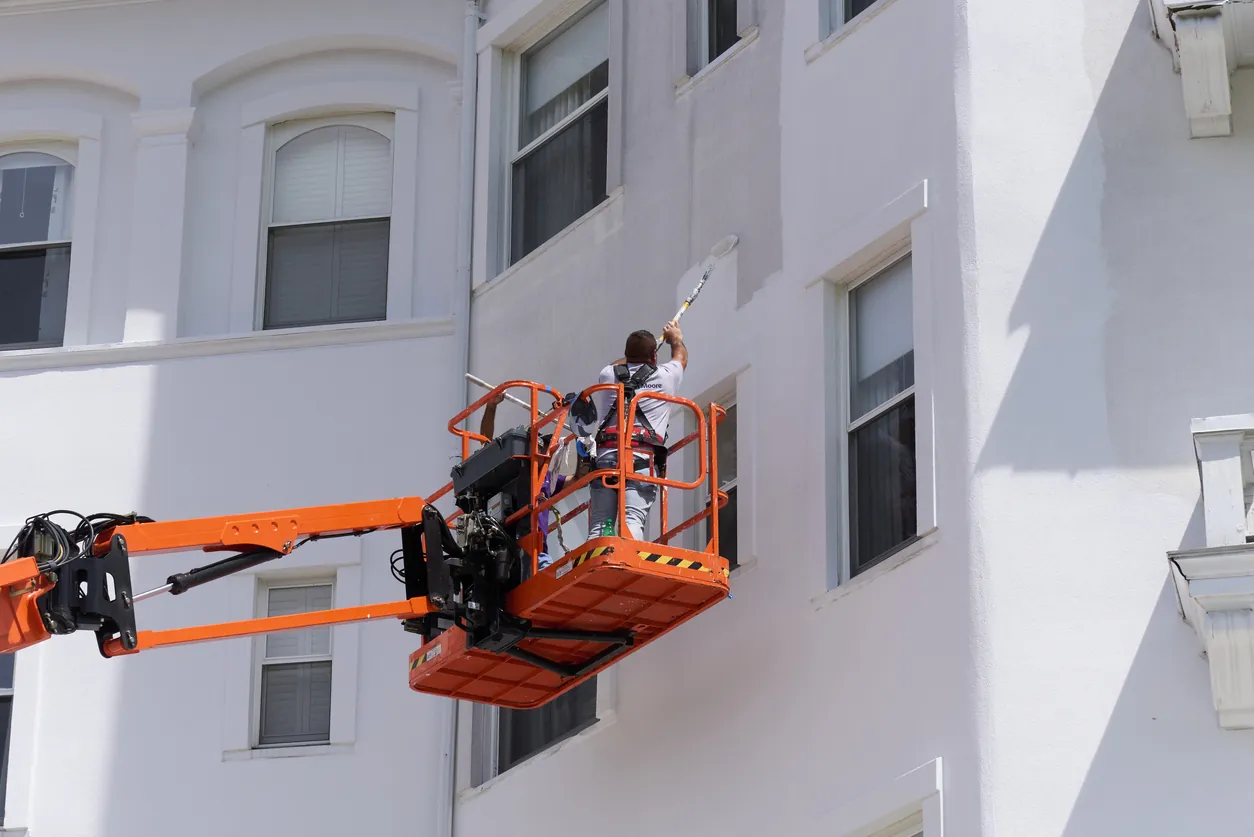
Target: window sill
{"type": "Point", "coordinates": [294, 338]}
{"type": "Point", "coordinates": [604, 206]}
{"type": "Point", "coordinates": [813, 51]}
{"type": "Point", "coordinates": [603, 723]}
{"type": "Point", "coordinates": [291, 752]}
{"type": "Point", "coordinates": [921, 544]}
{"type": "Point", "coordinates": [688, 82]}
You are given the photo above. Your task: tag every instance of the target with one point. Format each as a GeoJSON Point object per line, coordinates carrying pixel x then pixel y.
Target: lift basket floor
{"type": "Point", "coordinates": [607, 585]}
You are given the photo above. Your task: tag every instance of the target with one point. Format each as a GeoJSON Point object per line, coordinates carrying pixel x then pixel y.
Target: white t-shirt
{"type": "Point", "coordinates": [665, 380]}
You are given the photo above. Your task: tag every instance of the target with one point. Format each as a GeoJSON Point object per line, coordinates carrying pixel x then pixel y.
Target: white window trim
{"type": "Point", "coordinates": [279, 135]}
{"type": "Point", "coordinates": [488, 718]}
{"type": "Point", "coordinates": [831, 34]}
{"type": "Point", "coordinates": [343, 103]}
{"type": "Point", "coordinates": [891, 810]}
{"type": "Point", "coordinates": [502, 44]}
{"type": "Point", "coordinates": [746, 27]}
{"type": "Point", "coordinates": [338, 561]}
{"type": "Point", "coordinates": [72, 135]}
{"type": "Point", "coordinates": [733, 394]}
{"type": "Point", "coordinates": [902, 227]}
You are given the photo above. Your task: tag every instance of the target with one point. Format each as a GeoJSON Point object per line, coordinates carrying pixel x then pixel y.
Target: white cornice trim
{"type": "Point", "coordinates": [1215, 589]}
{"type": "Point", "coordinates": [1199, 34]}
{"type": "Point", "coordinates": [128, 353]}
{"type": "Point", "coordinates": [330, 99]}
{"type": "Point", "coordinates": [26, 7]}
{"type": "Point", "coordinates": [162, 123]}
{"type": "Point", "coordinates": [51, 123]}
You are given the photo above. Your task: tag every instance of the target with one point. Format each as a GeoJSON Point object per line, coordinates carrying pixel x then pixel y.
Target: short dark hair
{"type": "Point", "coordinates": [640, 346]}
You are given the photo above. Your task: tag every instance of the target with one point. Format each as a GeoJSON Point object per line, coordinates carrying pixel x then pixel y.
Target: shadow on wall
{"type": "Point", "coordinates": [1135, 303]}
{"type": "Point", "coordinates": [1135, 307]}
{"type": "Point", "coordinates": [1165, 707]}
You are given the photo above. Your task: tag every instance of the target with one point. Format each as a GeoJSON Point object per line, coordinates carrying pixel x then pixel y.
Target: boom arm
{"type": "Point", "coordinates": [94, 591]}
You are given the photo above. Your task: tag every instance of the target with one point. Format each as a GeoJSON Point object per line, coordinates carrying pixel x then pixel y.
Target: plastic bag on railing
{"type": "Point", "coordinates": [569, 455]}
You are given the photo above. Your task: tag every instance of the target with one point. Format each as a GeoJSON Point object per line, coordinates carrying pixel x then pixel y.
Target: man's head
{"type": "Point", "coordinates": [641, 347]}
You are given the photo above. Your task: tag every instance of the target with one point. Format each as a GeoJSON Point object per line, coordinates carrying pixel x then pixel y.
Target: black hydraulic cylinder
{"type": "Point", "coordinates": [182, 582]}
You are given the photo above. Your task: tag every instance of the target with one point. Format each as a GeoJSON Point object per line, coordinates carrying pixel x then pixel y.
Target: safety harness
{"type": "Point", "coordinates": [642, 433]}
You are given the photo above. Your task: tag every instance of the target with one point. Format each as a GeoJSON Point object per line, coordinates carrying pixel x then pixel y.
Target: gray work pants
{"type": "Point", "coordinates": [603, 502]}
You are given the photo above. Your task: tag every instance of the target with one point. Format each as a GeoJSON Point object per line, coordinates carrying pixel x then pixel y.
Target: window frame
{"type": "Point", "coordinates": [843, 424]}
{"type": "Point", "coordinates": [66, 152]}
{"type": "Point", "coordinates": [698, 63]}
{"type": "Point", "coordinates": [262, 610]}
{"type": "Point", "coordinates": [278, 134]}
{"type": "Point", "coordinates": [511, 124]}
{"type": "Point", "coordinates": [831, 25]}
{"type": "Point", "coordinates": [478, 741]}
{"type": "Point", "coordinates": [729, 397]}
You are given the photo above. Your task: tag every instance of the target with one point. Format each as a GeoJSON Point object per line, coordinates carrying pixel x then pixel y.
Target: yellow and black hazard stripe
{"type": "Point", "coordinates": [427, 657]}
{"type": "Point", "coordinates": [672, 561]}
{"type": "Point", "coordinates": [590, 554]}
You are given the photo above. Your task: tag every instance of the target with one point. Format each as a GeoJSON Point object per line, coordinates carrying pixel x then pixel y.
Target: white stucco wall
{"type": "Point", "coordinates": [1105, 298]}
{"type": "Point", "coordinates": [1080, 295]}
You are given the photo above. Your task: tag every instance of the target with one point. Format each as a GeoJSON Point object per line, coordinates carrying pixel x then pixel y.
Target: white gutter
{"type": "Point", "coordinates": [466, 192]}
{"type": "Point", "coordinates": [447, 800]}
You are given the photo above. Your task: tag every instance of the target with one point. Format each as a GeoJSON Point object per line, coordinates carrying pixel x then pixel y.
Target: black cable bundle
{"type": "Point", "coordinates": [55, 545]}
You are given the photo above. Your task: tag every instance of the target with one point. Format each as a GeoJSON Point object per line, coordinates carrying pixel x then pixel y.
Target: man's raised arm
{"type": "Point", "coordinates": [672, 335]}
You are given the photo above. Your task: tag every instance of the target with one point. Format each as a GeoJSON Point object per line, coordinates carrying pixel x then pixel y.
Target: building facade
{"type": "Point", "coordinates": [975, 312]}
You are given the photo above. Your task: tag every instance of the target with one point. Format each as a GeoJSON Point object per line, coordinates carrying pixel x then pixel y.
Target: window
{"type": "Point", "coordinates": [559, 172]}
{"type": "Point", "coordinates": [840, 12]}
{"type": "Point", "coordinates": [727, 481]}
{"type": "Point", "coordinates": [35, 212]}
{"type": "Point", "coordinates": [881, 432]}
{"type": "Point", "coordinates": [329, 224]}
{"type": "Point", "coordinates": [295, 679]}
{"type": "Point", "coordinates": [504, 738]}
{"type": "Point", "coordinates": [6, 718]}
{"type": "Point", "coordinates": [711, 31]}
{"type": "Point", "coordinates": [525, 732]}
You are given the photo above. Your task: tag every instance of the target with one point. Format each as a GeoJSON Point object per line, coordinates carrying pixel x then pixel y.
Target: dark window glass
{"type": "Point", "coordinates": [560, 180]}
{"type": "Point", "coordinates": [883, 510]}
{"type": "Point", "coordinates": [33, 287]}
{"type": "Point", "coordinates": [722, 33]}
{"type": "Point", "coordinates": [525, 732]}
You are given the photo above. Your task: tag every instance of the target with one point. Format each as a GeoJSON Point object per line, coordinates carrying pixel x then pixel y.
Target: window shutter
{"type": "Point", "coordinates": [361, 287]}
{"type": "Point", "coordinates": [305, 171]}
{"type": "Point", "coordinates": [331, 173]}
{"type": "Point", "coordinates": [883, 338]}
{"type": "Point", "coordinates": [366, 176]}
{"type": "Point", "coordinates": [296, 703]}
{"type": "Point", "coordinates": [285, 601]}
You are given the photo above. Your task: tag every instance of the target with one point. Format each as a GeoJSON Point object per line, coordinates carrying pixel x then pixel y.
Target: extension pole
{"type": "Point", "coordinates": [722, 248]}
{"type": "Point", "coordinates": [508, 397]}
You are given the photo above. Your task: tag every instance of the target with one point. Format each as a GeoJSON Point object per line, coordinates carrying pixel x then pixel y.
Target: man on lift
{"type": "Point", "coordinates": [637, 370]}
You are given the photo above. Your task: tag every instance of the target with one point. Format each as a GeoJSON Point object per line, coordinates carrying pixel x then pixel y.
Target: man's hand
{"type": "Point", "coordinates": [671, 334]}
{"type": "Point", "coordinates": [495, 401]}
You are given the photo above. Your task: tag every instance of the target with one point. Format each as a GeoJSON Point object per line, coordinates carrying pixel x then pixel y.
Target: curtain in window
{"type": "Point", "coordinates": [565, 175]}
{"type": "Point", "coordinates": [563, 72]}
{"type": "Point", "coordinates": [295, 695]}
{"type": "Point", "coordinates": [882, 482]}
{"type": "Point", "coordinates": [525, 732]}
{"type": "Point", "coordinates": [35, 205]}
{"type": "Point", "coordinates": [327, 258]}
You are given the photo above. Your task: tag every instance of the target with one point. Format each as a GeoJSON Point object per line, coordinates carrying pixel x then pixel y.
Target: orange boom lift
{"type": "Point", "coordinates": [493, 628]}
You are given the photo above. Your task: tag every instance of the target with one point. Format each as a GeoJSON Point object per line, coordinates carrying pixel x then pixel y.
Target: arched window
{"type": "Point", "coordinates": [329, 224]}
{"type": "Point", "coordinates": [36, 196]}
